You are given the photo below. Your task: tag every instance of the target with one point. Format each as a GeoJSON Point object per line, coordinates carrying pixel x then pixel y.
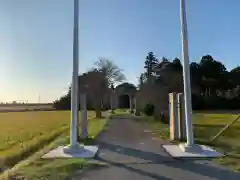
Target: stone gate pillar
{"type": "Point", "coordinates": [181, 117]}
{"type": "Point", "coordinates": [173, 112]}
{"type": "Point", "coordinates": [115, 100]}
{"type": "Point", "coordinates": [84, 123]}
{"type": "Point", "coordinates": [131, 102]}
{"type": "Point", "coordinates": [137, 111]}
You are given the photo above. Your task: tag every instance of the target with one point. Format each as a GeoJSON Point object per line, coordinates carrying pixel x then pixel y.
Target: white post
{"type": "Point", "coordinates": [74, 90]}
{"type": "Point", "coordinates": [135, 103]}
{"type": "Point", "coordinates": [74, 148]}
{"type": "Point", "coordinates": [111, 100]}
{"type": "Point", "coordinates": [116, 100]}
{"type": "Point", "coordinates": [131, 103]}
{"type": "Point", "coordinates": [173, 111]}
{"type": "Point", "coordinates": [186, 75]}
{"type": "Point", "coordinates": [84, 122]}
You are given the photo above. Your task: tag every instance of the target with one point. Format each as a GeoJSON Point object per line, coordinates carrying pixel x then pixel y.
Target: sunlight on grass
{"type": "Point", "coordinates": [35, 167]}
{"type": "Point", "coordinates": [208, 125]}
{"type": "Point", "coordinates": [23, 133]}
{"type": "Point", "coordinates": [52, 169]}
{"type": "Point", "coordinates": [205, 126]}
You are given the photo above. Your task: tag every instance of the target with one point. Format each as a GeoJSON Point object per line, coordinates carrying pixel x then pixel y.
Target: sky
{"type": "Point", "coordinates": [36, 39]}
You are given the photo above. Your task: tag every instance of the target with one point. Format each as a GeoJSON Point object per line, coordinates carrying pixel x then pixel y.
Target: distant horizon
{"type": "Point", "coordinates": [11, 103]}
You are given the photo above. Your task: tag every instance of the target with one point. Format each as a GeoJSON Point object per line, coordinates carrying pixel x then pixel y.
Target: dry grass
{"type": "Point", "coordinates": [23, 133]}
{"type": "Point", "coordinates": [36, 168]}
{"type": "Point", "coordinates": [206, 125]}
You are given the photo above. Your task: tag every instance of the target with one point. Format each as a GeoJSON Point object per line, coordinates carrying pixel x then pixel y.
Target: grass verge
{"type": "Point", "coordinates": [36, 168]}
{"type": "Point", "coordinates": [17, 154]}
{"type": "Point", "coordinates": [205, 126]}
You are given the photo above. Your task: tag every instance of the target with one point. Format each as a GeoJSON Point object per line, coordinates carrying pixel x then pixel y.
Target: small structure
{"type": "Point", "coordinates": [125, 95]}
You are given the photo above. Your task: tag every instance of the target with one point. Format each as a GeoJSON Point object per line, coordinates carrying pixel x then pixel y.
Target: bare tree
{"type": "Point", "coordinates": [111, 71]}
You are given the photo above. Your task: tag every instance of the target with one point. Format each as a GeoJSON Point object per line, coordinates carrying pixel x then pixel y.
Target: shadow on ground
{"type": "Point", "coordinates": [211, 171]}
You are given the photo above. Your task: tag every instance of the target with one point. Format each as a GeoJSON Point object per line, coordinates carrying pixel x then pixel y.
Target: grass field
{"type": "Point", "coordinates": [206, 125]}
{"type": "Point", "coordinates": [36, 168]}
{"type": "Point", "coordinates": [23, 133]}
{"type": "Point", "coordinates": [24, 107]}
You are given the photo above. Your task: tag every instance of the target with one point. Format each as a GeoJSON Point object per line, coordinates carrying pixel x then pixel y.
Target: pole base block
{"type": "Point", "coordinates": [137, 113]}
{"type": "Point", "coordinates": [192, 151]}
{"type": "Point", "coordinates": [191, 148]}
{"type": "Point", "coordinates": [72, 151]}
{"type": "Point", "coordinates": [131, 111]}
{"type": "Point", "coordinates": [112, 111]}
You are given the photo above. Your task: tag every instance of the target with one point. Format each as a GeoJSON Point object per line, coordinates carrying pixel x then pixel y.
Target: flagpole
{"type": "Point", "coordinates": [186, 75]}
{"type": "Point", "coordinates": [74, 90]}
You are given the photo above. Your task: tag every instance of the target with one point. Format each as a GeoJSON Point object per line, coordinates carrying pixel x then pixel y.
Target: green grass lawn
{"type": "Point", "coordinates": [43, 124]}
{"type": "Point", "coordinates": [23, 133]}
{"type": "Point", "coordinates": [206, 125]}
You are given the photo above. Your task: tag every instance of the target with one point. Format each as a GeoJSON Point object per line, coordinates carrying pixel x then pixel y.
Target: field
{"type": "Point", "coordinates": [25, 107]}
{"type": "Point", "coordinates": [206, 125]}
{"type": "Point", "coordinates": [23, 133]}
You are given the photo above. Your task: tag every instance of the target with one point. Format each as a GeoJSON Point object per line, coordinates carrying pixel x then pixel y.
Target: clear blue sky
{"type": "Point", "coordinates": [36, 39]}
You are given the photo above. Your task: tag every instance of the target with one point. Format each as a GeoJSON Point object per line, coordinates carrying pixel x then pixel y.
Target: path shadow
{"type": "Point", "coordinates": [186, 164]}
{"type": "Point", "coordinates": [148, 156]}
{"type": "Point", "coordinates": [138, 171]}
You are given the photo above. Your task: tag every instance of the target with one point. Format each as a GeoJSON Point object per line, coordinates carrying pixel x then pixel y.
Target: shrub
{"type": "Point", "coordinates": [149, 109]}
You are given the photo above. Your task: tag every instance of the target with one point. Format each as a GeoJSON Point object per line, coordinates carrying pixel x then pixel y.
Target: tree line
{"type": "Point", "coordinates": [213, 86]}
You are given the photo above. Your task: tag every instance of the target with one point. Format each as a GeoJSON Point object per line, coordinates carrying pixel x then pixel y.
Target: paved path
{"type": "Point", "coordinates": [133, 153]}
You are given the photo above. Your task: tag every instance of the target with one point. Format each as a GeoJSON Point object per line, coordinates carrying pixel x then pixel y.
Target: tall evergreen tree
{"type": "Point", "coordinates": [150, 63]}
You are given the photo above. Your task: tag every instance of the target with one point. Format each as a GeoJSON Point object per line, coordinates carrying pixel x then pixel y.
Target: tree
{"type": "Point", "coordinates": [235, 76]}
{"type": "Point", "coordinates": [214, 74]}
{"type": "Point", "coordinates": [211, 68]}
{"type": "Point", "coordinates": [177, 64]}
{"type": "Point", "coordinates": [236, 69]}
{"type": "Point", "coordinates": [64, 102]}
{"type": "Point", "coordinates": [142, 79]}
{"type": "Point", "coordinates": [95, 85]}
{"type": "Point", "coordinates": [162, 65]}
{"type": "Point", "coordinates": [196, 77]}
{"type": "Point", "coordinates": [110, 70]}
{"type": "Point", "coordinates": [150, 63]}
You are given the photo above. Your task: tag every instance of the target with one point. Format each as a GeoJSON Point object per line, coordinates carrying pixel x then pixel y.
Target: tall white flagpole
{"type": "Point", "coordinates": [188, 149]}
{"type": "Point", "coordinates": [74, 90]}
{"type": "Point", "coordinates": [186, 75]}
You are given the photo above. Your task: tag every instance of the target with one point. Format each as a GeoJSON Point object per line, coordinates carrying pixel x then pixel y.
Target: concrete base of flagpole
{"type": "Point", "coordinates": [74, 151]}
{"type": "Point", "coordinates": [193, 151]}
{"type": "Point", "coordinates": [112, 111]}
